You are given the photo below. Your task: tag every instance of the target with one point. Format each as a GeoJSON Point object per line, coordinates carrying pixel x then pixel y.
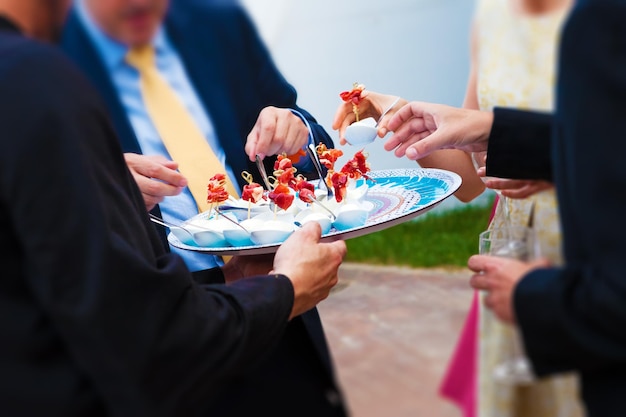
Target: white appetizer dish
{"type": "Point", "coordinates": [321, 194]}
{"type": "Point", "coordinates": [350, 215]}
{"type": "Point", "coordinates": [356, 191]}
{"type": "Point", "coordinates": [184, 236]}
{"type": "Point", "coordinates": [309, 215]}
{"type": "Point", "coordinates": [362, 132]}
{"type": "Point", "coordinates": [209, 232]}
{"type": "Point", "coordinates": [272, 231]}
{"type": "Point", "coordinates": [280, 216]}
{"type": "Point", "coordinates": [243, 209]}
{"type": "Point", "coordinates": [294, 208]}
{"type": "Point", "coordinates": [240, 237]}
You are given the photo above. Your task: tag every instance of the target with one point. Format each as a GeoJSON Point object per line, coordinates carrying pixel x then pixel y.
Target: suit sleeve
{"type": "Point", "coordinates": [519, 145]}
{"type": "Point", "coordinates": [130, 315]}
{"type": "Point", "coordinates": [574, 317]}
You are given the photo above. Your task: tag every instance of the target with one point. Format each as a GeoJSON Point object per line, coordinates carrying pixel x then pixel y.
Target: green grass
{"type": "Point", "coordinates": [437, 239]}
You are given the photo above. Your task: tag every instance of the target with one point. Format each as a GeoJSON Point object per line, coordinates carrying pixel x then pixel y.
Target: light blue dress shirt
{"type": "Point", "coordinates": [126, 80]}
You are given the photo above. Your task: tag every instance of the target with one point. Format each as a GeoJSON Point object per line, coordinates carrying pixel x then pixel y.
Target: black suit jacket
{"type": "Point", "coordinates": [235, 78]}
{"type": "Point", "coordinates": [574, 318]}
{"type": "Point", "coordinates": [96, 317]}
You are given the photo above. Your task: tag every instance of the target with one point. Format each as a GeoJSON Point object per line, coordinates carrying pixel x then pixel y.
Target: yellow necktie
{"type": "Point", "coordinates": [181, 136]}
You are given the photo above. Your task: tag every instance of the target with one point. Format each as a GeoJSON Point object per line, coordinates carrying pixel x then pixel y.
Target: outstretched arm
{"type": "Point", "coordinates": [456, 160]}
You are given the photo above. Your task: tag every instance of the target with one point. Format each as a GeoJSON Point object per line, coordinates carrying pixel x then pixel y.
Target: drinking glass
{"type": "Point", "coordinates": [517, 243]}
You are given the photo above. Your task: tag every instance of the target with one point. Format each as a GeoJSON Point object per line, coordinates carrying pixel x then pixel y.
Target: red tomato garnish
{"type": "Point", "coordinates": [286, 177]}
{"type": "Point", "coordinates": [302, 184]}
{"type": "Point", "coordinates": [215, 189]}
{"type": "Point", "coordinates": [328, 157]}
{"type": "Point", "coordinates": [282, 163]}
{"type": "Point", "coordinates": [284, 200]}
{"type": "Point", "coordinates": [339, 181]}
{"type": "Point", "coordinates": [295, 158]}
{"type": "Point", "coordinates": [217, 196]}
{"type": "Point", "coordinates": [306, 195]}
{"type": "Point", "coordinates": [306, 190]}
{"type": "Point", "coordinates": [284, 170]}
{"type": "Point", "coordinates": [353, 95]}
{"type": "Point", "coordinates": [252, 192]}
{"type": "Point", "coordinates": [357, 167]}
{"type": "Point", "coordinates": [281, 196]}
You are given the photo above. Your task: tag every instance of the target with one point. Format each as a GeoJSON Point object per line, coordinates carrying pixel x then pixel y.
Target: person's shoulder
{"type": "Point", "coordinates": [29, 66]}
{"type": "Point", "coordinates": [22, 53]}
{"type": "Point", "coordinates": [226, 20]}
{"type": "Point", "coordinates": [591, 10]}
{"type": "Point", "coordinates": [209, 4]}
{"type": "Point", "coordinates": [206, 9]}
{"type": "Point", "coordinates": [42, 88]}
{"type": "Point", "coordinates": [592, 21]}
{"type": "Point", "coordinates": [22, 58]}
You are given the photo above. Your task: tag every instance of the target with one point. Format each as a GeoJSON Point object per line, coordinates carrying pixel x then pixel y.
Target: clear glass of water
{"type": "Point", "coordinates": [517, 243]}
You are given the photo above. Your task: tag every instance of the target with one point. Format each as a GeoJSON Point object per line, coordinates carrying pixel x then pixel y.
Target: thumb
{"type": "Point", "coordinates": [311, 231]}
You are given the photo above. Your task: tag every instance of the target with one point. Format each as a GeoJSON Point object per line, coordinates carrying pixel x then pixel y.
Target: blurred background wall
{"type": "Point", "coordinates": [418, 49]}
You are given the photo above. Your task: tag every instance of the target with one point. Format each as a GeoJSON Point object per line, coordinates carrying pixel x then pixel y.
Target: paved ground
{"type": "Point", "coordinates": [391, 331]}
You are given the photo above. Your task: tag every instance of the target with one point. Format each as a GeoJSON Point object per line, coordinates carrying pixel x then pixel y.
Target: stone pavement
{"type": "Point", "coordinates": [391, 331]}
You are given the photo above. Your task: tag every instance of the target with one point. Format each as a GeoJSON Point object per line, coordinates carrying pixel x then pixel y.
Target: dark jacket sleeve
{"type": "Point", "coordinates": [519, 145]}
{"type": "Point", "coordinates": [574, 317]}
{"type": "Point", "coordinates": [134, 323]}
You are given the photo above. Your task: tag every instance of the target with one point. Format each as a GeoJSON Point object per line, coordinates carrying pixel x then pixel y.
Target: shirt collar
{"type": "Point", "coordinates": [111, 50]}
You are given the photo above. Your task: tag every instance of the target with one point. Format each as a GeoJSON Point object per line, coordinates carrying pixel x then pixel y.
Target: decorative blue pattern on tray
{"type": "Point", "coordinates": [397, 195]}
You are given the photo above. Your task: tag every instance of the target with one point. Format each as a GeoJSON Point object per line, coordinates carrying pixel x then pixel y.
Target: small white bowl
{"type": "Point", "coordinates": [356, 191]}
{"type": "Point", "coordinates": [239, 237]}
{"type": "Point", "coordinates": [185, 237]}
{"type": "Point", "coordinates": [350, 215]}
{"type": "Point", "coordinates": [240, 208]}
{"type": "Point", "coordinates": [209, 233]}
{"type": "Point", "coordinates": [280, 216]}
{"type": "Point", "coordinates": [210, 239]}
{"type": "Point", "coordinates": [331, 204]}
{"type": "Point", "coordinates": [271, 232]}
{"type": "Point", "coordinates": [362, 132]}
{"type": "Point", "coordinates": [309, 215]}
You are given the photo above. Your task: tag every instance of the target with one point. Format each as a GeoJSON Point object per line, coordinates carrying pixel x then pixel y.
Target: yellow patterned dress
{"type": "Point", "coordinates": [516, 68]}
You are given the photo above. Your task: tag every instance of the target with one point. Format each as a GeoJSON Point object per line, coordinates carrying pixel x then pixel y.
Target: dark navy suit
{"type": "Point", "coordinates": [235, 77]}
{"type": "Point", "coordinates": [574, 317]}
